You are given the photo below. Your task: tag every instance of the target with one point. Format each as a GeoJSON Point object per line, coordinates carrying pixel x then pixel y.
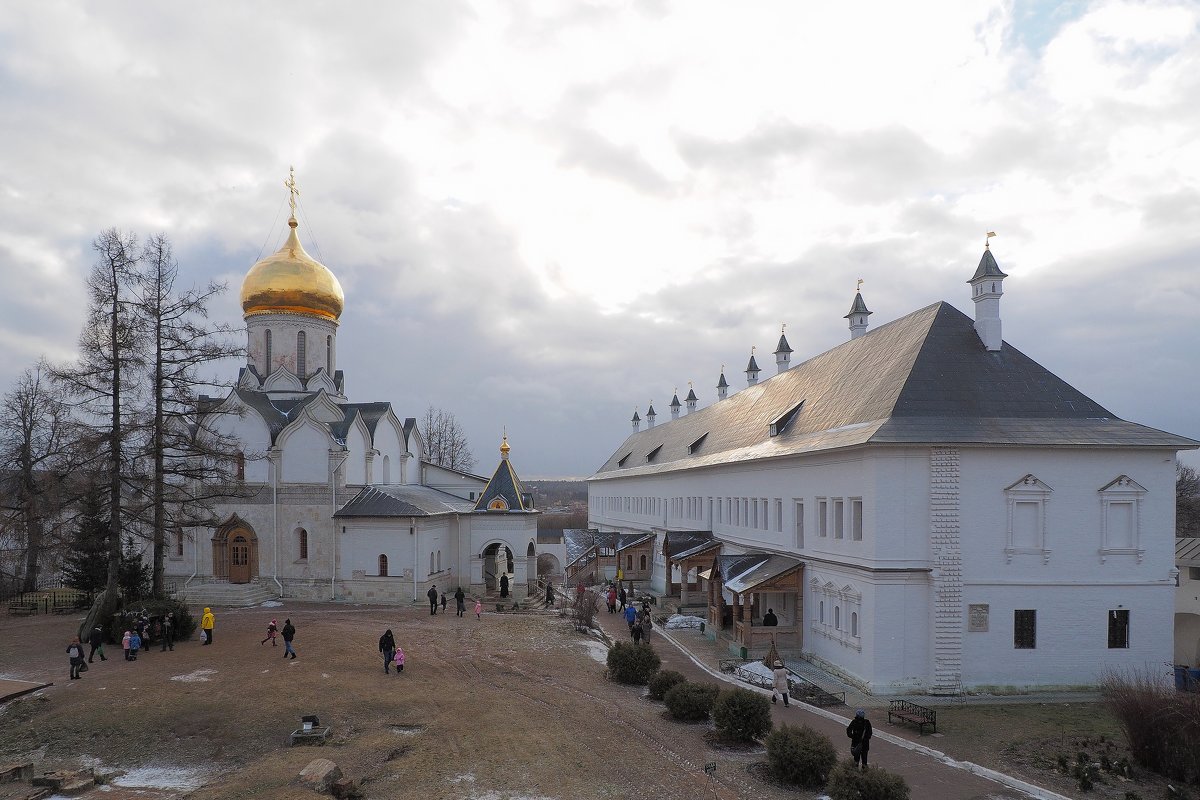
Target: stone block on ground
{"type": "Point", "coordinates": [320, 775]}
{"type": "Point", "coordinates": [11, 773]}
{"type": "Point", "coordinates": [344, 789]}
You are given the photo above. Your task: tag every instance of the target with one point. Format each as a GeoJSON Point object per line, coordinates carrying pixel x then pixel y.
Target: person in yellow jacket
{"type": "Point", "coordinates": [206, 624]}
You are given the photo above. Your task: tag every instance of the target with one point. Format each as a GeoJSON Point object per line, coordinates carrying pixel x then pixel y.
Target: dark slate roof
{"type": "Point", "coordinates": [681, 544]}
{"type": "Point", "coordinates": [1187, 552]}
{"type": "Point", "coordinates": [752, 366]}
{"type": "Point", "coordinates": [410, 424]}
{"type": "Point", "coordinates": [858, 306]}
{"type": "Point", "coordinates": [675, 401]}
{"type": "Point", "coordinates": [783, 346]}
{"type": "Point", "coordinates": [742, 573]}
{"type": "Point", "coordinates": [722, 383]}
{"type": "Point", "coordinates": [636, 418]}
{"type": "Point", "coordinates": [505, 485]}
{"type": "Point", "coordinates": [578, 541]}
{"type": "Point", "coordinates": [691, 395]}
{"type": "Point", "coordinates": [277, 414]}
{"type": "Point", "coordinates": [627, 540]}
{"type": "Point", "coordinates": [925, 378]}
{"type": "Point", "coordinates": [403, 501]}
{"type": "Point", "coordinates": [651, 413]}
{"type": "Point", "coordinates": [988, 268]}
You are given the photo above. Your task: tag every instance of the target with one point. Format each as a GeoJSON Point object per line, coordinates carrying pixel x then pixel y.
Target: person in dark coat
{"type": "Point", "coordinates": [621, 598]}
{"type": "Point", "coordinates": [443, 602]}
{"type": "Point", "coordinates": [168, 632]}
{"type": "Point", "coordinates": [432, 594]}
{"type": "Point", "coordinates": [504, 586]}
{"type": "Point", "coordinates": [387, 646]}
{"type": "Point", "coordinates": [96, 642]}
{"type": "Point", "coordinates": [460, 601]}
{"type": "Point", "coordinates": [549, 594]}
{"type": "Point", "coordinates": [75, 652]}
{"type": "Point", "coordinates": [859, 731]}
{"type": "Point", "coordinates": [769, 619]}
{"type": "Point", "coordinates": [289, 633]}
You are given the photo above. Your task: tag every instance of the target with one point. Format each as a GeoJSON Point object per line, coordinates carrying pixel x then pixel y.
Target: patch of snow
{"type": "Point", "coordinates": [186, 778]}
{"type": "Point", "coordinates": [597, 650]}
{"type": "Point", "coordinates": [324, 674]}
{"type": "Point", "coordinates": [682, 621]}
{"type": "Point", "coordinates": [270, 604]}
{"type": "Point", "coordinates": [195, 676]}
{"type": "Point", "coordinates": [264, 672]}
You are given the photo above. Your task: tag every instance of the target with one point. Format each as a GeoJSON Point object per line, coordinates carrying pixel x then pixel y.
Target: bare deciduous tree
{"type": "Point", "coordinates": [1187, 502]}
{"type": "Point", "coordinates": [445, 443]}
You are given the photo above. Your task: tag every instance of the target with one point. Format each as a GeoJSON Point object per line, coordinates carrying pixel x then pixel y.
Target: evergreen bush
{"type": "Point", "coordinates": [800, 755]}
{"type": "Point", "coordinates": [742, 715]}
{"type": "Point", "coordinates": [691, 702]}
{"type": "Point", "coordinates": [632, 663]}
{"type": "Point", "coordinates": [663, 681]}
{"type": "Point", "coordinates": [848, 782]}
{"type": "Point", "coordinates": [185, 624]}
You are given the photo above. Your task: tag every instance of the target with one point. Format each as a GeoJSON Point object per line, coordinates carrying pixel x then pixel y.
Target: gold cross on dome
{"type": "Point", "coordinates": [293, 190]}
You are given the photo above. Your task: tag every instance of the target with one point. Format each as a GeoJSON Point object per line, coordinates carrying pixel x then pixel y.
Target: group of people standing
{"type": "Point", "coordinates": [143, 631]}
{"type": "Point", "coordinates": [460, 602]}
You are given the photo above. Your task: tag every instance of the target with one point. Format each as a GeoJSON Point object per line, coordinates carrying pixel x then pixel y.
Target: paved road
{"type": "Point", "coordinates": [927, 776]}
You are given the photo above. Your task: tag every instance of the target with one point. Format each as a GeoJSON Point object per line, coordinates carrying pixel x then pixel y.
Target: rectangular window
{"type": "Point", "coordinates": [1120, 526]}
{"type": "Point", "coordinates": [179, 542]}
{"type": "Point", "coordinates": [822, 517]}
{"type": "Point", "coordinates": [799, 525]}
{"type": "Point", "coordinates": [754, 515]}
{"type": "Point", "coordinates": [856, 520]}
{"type": "Point", "coordinates": [1194, 573]}
{"type": "Point", "coordinates": [839, 521]}
{"type": "Point", "coordinates": [1118, 629]}
{"type": "Point", "coordinates": [778, 515]}
{"type": "Point", "coordinates": [1027, 525]}
{"type": "Point", "coordinates": [1025, 629]}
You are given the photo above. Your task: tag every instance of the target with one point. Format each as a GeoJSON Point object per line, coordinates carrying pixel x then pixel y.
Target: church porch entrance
{"type": "Point", "coordinates": [740, 589]}
{"type": "Point", "coordinates": [235, 552]}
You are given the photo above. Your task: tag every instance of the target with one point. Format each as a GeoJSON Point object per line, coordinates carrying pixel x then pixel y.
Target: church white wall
{"type": "Point", "coordinates": [253, 436]}
{"type": "Point", "coordinates": [305, 454]}
{"type": "Point", "coordinates": [389, 442]}
{"type": "Point", "coordinates": [355, 467]}
{"type": "Point", "coordinates": [467, 487]}
{"type": "Point", "coordinates": [284, 329]}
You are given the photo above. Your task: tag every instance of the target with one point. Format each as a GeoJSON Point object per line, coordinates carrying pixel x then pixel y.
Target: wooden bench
{"type": "Point", "coordinates": [22, 609]}
{"type": "Point", "coordinates": [913, 713]}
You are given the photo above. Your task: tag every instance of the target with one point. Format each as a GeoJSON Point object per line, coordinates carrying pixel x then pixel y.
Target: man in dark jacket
{"type": "Point", "coordinates": [168, 632]}
{"type": "Point", "coordinates": [504, 586]}
{"type": "Point", "coordinates": [859, 731]}
{"type": "Point", "coordinates": [289, 633]}
{"type": "Point", "coordinates": [460, 601]}
{"type": "Point", "coordinates": [96, 642]}
{"type": "Point", "coordinates": [432, 594]}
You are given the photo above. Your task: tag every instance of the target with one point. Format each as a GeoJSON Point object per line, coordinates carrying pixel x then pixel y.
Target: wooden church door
{"type": "Point", "coordinates": [239, 560]}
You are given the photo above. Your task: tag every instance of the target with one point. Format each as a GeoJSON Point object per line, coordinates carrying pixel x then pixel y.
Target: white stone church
{"type": "Point", "coordinates": [334, 499]}
{"type": "Point", "coordinates": [924, 507]}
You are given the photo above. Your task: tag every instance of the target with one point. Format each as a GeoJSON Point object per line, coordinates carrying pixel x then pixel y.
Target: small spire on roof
{"type": "Point", "coordinates": [504, 448]}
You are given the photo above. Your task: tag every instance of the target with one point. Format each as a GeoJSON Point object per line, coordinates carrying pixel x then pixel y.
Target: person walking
{"type": "Point", "coordinates": [135, 644]}
{"type": "Point", "coordinates": [611, 597]}
{"type": "Point", "coordinates": [432, 594]}
{"type": "Point", "coordinates": [289, 633]}
{"type": "Point", "coordinates": [503, 586]}
{"type": "Point", "coordinates": [622, 597]}
{"type": "Point", "coordinates": [272, 630]}
{"type": "Point", "coordinates": [207, 623]}
{"type": "Point", "coordinates": [443, 602]}
{"type": "Point", "coordinates": [387, 646]}
{"type": "Point", "coordinates": [478, 608]}
{"type": "Point", "coordinates": [96, 642]}
{"type": "Point", "coordinates": [647, 623]}
{"type": "Point", "coordinates": [859, 731]}
{"type": "Point", "coordinates": [460, 601]}
{"type": "Point", "coordinates": [75, 652]}
{"type": "Point", "coordinates": [630, 616]}
{"type": "Point", "coordinates": [398, 659]}
{"type": "Point", "coordinates": [125, 644]}
{"type": "Point", "coordinates": [780, 683]}
{"type": "Point", "coordinates": [168, 633]}
{"type": "Point", "coordinates": [549, 594]}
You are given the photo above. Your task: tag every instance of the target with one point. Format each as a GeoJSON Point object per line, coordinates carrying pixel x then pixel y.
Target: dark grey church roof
{"type": "Point", "coordinates": [722, 383]}
{"type": "Point", "coordinates": [675, 401]}
{"type": "Point", "coordinates": [783, 346]}
{"type": "Point", "coordinates": [925, 378]}
{"type": "Point", "coordinates": [858, 306]}
{"type": "Point", "coordinates": [691, 395]}
{"type": "Point", "coordinates": [403, 501]}
{"type": "Point", "coordinates": [752, 365]}
{"type": "Point", "coordinates": [988, 268]}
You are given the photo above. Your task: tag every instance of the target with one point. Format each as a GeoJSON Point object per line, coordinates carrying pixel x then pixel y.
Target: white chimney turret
{"type": "Point", "coordinates": [858, 314]}
{"type": "Point", "coordinates": [675, 405]}
{"type": "Point", "coordinates": [722, 385]}
{"type": "Point", "coordinates": [783, 352]}
{"type": "Point", "coordinates": [752, 370]}
{"type": "Point", "coordinates": [650, 415]}
{"type": "Point", "coordinates": [637, 421]}
{"type": "Point", "coordinates": [987, 287]}
{"type": "Point", "coordinates": [691, 398]}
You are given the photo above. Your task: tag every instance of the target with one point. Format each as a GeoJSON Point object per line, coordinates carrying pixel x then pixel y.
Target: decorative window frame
{"type": "Point", "coordinates": [1122, 489]}
{"type": "Point", "coordinates": [848, 602]}
{"type": "Point", "coordinates": [1028, 489]}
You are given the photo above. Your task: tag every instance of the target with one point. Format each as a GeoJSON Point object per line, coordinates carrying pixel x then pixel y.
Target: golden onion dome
{"type": "Point", "coordinates": [290, 280]}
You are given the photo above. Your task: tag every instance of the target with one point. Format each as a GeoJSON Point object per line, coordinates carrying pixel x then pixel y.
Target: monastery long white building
{"type": "Point", "coordinates": [334, 499]}
{"type": "Point", "coordinates": [924, 507]}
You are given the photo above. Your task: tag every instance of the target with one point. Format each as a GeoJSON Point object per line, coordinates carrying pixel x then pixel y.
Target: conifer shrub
{"type": "Point", "coordinates": [742, 715]}
{"type": "Point", "coordinates": [691, 702]}
{"type": "Point", "coordinates": [632, 663]}
{"type": "Point", "coordinates": [848, 782]}
{"type": "Point", "coordinates": [126, 617]}
{"type": "Point", "coordinates": [663, 681]}
{"type": "Point", "coordinates": [800, 755]}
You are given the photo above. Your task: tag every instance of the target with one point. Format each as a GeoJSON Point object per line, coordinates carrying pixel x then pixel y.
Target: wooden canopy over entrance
{"type": "Point", "coordinates": [687, 551]}
{"type": "Point", "coordinates": [734, 607]}
{"type": "Point", "coordinates": [235, 551]}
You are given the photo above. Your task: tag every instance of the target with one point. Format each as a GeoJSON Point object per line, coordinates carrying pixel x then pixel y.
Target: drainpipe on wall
{"type": "Point", "coordinates": [275, 516]}
{"type": "Point", "coordinates": [333, 480]}
{"type": "Point", "coordinates": [412, 531]}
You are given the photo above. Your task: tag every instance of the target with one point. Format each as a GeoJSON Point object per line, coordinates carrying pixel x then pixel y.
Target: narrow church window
{"type": "Point", "coordinates": [329, 355]}
{"type": "Point", "coordinates": [302, 540]}
{"type": "Point", "coordinates": [439, 560]}
{"type": "Point", "coordinates": [1118, 629]}
{"type": "Point", "coordinates": [854, 623]}
{"type": "Point", "coordinates": [629, 563]}
{"type": "Point", "coordinates": [383, 565]}
{"type": "Point", "coordinates": [839, 513]}
{"type": "Point", "coordinates": [799, 524]}
{"type": "Point", "coordinates": [822, 517]}
{"type": "Point", "coordinates": [301, 355]}
{"type": "Point", "coordinates": [778, 515]}
{"type": "Point", "coordinates": [837, 618]}
{"type": "Point", "coordinates": [267, 364]}
{"type": "Point", "coordinates": [1025, 629]}
{"type": "Point", "coordinates": [856, 521]}
{"type": "Point", "coordinates": [431, 569]}
{"type": "Point", "coordinates": [178, 542]}
{"type": "Point", "coordinates": [643, 563]}
{"type": "Point", "coordinates": [822, 612]}
{"type": "Point", "coordinates": [240, 466]}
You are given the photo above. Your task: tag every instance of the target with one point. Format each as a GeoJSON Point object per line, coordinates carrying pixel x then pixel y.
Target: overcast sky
{"type": "Point", "coordinates": [545, 215]}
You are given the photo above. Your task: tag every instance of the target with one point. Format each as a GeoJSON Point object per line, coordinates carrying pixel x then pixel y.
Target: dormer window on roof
{"type": "Point", "coordinates": [780, 423]}
{"type": "Point", "coordinates": [650, 456]}
{"type": "Point", "coordinates": [694, 446]}
{"type": "Point", "coordinates": [624, 458]}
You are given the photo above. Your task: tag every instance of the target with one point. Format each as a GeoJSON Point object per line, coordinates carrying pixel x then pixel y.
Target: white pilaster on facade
{"type": "Point", "coordinates": [945, 527]}
{"type": "Point", "coordinates": [752, 370]}
{"type": "Point", "coordinates": [987, 287]}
